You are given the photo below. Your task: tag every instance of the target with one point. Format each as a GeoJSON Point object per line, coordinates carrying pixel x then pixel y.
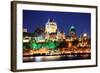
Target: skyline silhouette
{"type": "Point", "coordinates": [33, 19]}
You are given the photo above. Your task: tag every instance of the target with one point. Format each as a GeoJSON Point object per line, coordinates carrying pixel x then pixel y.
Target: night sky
{"type": "Point", "coordinates": [81, 21]}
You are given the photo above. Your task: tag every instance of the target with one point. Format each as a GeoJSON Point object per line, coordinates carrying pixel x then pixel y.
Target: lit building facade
{"type": "Point", "coordinates": [26, 36]}
{"type": "Point", "coordinates": [51, 26]}
{"type": "Point", "coordinates": [84, 40]}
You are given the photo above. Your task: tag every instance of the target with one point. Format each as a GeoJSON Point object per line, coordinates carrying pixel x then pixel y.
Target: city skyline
{"type": "Point", "coordinates": [81, 21]}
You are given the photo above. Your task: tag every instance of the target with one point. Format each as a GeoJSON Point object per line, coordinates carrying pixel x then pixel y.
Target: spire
{"type": "Point", "coordinates": [51, 20]}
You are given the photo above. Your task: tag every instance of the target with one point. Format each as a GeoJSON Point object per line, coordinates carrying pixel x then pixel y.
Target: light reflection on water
{"type": "Point", "coordinates": [54, 58]}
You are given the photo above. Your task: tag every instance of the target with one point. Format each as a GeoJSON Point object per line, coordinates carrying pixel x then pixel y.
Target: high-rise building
{"type": "Point", "coordinates": [51, 26]}
{"type": "Point", "coordinates": [24, 29]}
{"type": "Point", "coordinates": [26, 36]}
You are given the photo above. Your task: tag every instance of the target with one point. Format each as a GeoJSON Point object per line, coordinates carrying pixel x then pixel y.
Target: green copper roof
{"type": "Point", "coordinates": [72, 28]}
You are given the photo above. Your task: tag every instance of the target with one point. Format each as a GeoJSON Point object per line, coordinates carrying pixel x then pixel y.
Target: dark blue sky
{"type": "Point", "coordinates": [64, 20]}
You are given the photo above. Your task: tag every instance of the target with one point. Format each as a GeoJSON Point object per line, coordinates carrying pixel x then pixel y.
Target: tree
{"type": "Point", "coordinates": [35, 46]}
{"type": "Point", "coordinates": [51, 44]}
{"type": "Point", "coordinates": [26, 47]}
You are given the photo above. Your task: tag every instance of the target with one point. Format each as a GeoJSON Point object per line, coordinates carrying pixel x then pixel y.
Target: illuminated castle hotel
{"type": "Point", "coordinates": [51, 31]}
{"type": "Point", "coordinates": [51, 26]}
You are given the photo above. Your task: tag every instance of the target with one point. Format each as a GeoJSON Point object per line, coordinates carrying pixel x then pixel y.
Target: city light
{"type": "Point", "coordinates": [50, 41]}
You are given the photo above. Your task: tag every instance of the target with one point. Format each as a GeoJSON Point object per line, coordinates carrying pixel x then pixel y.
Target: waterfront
{"type": "Point", "coordinates": [65, 54]}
